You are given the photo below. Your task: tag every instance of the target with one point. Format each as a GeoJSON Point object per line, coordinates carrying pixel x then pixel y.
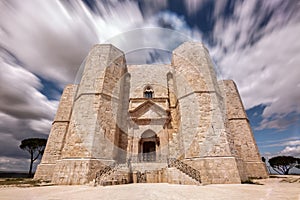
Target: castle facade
{"type": "Point", "coordinates": [172, 123]}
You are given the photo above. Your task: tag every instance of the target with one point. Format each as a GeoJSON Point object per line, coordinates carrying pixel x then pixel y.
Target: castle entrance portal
{"type": "Point", "coordinates": [149, 153]}
{"type": "Point", "coordinates": [148, 145]}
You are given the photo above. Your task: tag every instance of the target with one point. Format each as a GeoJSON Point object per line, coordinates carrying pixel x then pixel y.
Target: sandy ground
{"type": "Point", "coordinates": [272, 189]}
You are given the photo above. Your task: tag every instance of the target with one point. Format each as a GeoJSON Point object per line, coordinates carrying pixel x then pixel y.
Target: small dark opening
{"type": "Point", "coordinates": [148, 94]}
{"type": "Point", "coordinates": [148, 147]}
{"type": "Point", "coordinates": [149, 153]}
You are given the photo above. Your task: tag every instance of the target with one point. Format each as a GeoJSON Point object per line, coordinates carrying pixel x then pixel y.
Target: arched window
{"type": "Point", "coordinates": [148, 92]}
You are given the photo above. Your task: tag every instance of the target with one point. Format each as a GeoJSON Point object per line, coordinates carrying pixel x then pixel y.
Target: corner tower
{"type": "Point", "coordinates": [240, 136]}
{"type": "Point", "coordinates": [91, 138]}
{"type": "Point", "coordinates": [205, 144]}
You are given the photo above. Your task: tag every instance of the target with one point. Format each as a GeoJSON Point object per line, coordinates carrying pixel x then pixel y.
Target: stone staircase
{"type": "Point", "coordinates": [175, 176]}
{"type": "Point", "coordinates": [185, 168]}
{"type": "Point", "coordinates": [148, 166]}
{"type": "Point", "coordinates": [113, 175]}
{"type": "Point", "coordinates": [175, 172]}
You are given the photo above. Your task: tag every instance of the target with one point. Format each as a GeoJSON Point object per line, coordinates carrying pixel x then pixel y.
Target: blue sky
{"type": "Point", "coordinates": [253, 42]}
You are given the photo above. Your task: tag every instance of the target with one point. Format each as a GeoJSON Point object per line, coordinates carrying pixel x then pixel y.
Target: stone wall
{"type": "Point", "coordinates": [175, 141]}
{"type": "Point", "coordinates": [153, 75]}
{"type": "Point", "coordinates": [57, 134]}
{"type": "Point", "coordinates": [242, 141]}
{"type": "Point", "coordinates": [77, 171]}
{"type": "Point", "coordinates": [216, 170]}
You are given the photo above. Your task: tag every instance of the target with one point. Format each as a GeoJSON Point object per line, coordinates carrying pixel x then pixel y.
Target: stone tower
{"type": "Point", "coordinates": [150, 123]}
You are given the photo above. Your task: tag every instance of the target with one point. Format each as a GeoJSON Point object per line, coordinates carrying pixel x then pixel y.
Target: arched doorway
{"type": "Point", "coordinates": [148, 146]}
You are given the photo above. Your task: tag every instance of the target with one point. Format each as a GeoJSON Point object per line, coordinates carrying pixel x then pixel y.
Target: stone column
{"type": "Point", "coordinates": [174, 142]}
{"type": "Point", "coordinates": [135, 149]}
{"type": "Point", "coordinates": [164, 144]}
{"type": "Point", "coordinates": [130, 142]}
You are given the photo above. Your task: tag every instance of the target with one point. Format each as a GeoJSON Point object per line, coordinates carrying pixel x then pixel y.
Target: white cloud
{"type": "Point", "coordinates": [285, 143]}
{"type": "Point", "coordinates": [291, 151]}
{"type": "Point", "coordinates": [142, 43]}
{"type": "Point", "coordinates": [289, 147]}
{"type": "Point", "coordinates": [56, 39]}
{"type": "Point", "coordinates": [262, 60]}
{"type": "Point", "coordinates": [278, 121]}
{"type": "Point", "coordinates": [281, 140]}
{"type": "Point", "coordinates": [293, 143]}
{"type": "Point", "coordinates": [42, 126]}
{"type": "Point", "coordinates": [20, 95]}
{"type": "Point", "coordinates": [24, 111]}
{"type": "Point", "coordinates": [52, 39]}
{"type": "Point", "coordinates": [219, 7]}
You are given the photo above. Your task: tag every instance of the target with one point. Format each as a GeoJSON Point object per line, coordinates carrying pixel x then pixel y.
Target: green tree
{"type": "Point", "coordinates": [36, 147]}
{"type": "Point", "coordinates": [283, 164]}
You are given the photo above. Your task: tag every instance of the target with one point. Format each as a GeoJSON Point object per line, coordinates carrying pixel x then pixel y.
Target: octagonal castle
{"type": "Point", "coordinates": [170, 123]}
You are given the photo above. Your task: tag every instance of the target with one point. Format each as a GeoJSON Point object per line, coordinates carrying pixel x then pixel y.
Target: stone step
{"type": "Point", "coordinates": [154, 173]}
{"type": "Point", "coordinates": [121, 173]}
{"type": "Point", "coordinates": [116, 178]}
{"type": "Point", "coordinates": [148, 166]}
{"type": "Point", "coordinates": [175, 176]}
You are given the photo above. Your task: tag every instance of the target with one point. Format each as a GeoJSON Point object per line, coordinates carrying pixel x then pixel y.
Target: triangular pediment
{"type": "Point", "coordinates": [149, 110]}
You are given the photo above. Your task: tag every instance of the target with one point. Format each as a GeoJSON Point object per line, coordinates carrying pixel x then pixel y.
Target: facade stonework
{"type": "Point", "coordinates": [172, 123]}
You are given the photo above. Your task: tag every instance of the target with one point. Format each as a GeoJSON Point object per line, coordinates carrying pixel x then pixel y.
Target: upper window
{"type": "Point", "coordinates": [148, 92]}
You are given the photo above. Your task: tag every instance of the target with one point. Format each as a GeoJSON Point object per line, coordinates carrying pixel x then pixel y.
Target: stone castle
{"type": "Point", "coordinates": [171, 123]}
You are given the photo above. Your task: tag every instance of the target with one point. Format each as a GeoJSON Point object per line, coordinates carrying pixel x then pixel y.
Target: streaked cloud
{"type": "Point", "coordinates": [53, 37]}
{"type": "Point", "coordinates": [256, 47]}
{"type": "Point", "coordinates": [20, 95]}
{"type": "Point", "coordinates": [193, 6]}
{"type": "Point", "coordinates": [286, 143]}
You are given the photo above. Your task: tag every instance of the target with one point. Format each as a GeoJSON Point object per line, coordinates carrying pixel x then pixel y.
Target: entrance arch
{"type": "Point", "coordinates": [148, 146]}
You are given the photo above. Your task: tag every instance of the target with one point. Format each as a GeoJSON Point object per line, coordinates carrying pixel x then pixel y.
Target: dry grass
{"type": "Point", "coordinates": [22, 182]}
{"type": "Point", "coordinates": [292, 179]}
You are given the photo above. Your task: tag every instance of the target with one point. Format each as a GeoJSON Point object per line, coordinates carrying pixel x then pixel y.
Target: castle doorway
{"type": "Point", "coordinates": [149, 153]}
{"type": "Point", "coordinates": [148, 146]}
